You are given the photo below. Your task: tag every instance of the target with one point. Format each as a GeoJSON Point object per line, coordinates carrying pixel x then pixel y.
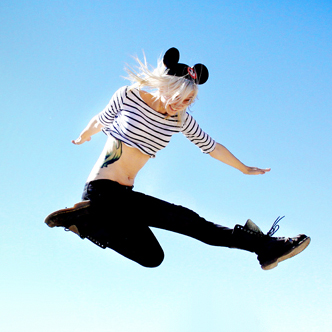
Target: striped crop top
{"type": "Point", "coordinates": [128, 118]}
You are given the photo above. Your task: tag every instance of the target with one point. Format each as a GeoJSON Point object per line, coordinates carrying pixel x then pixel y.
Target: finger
{"type": "Point", "coordinates": [256, 170]}
{"type": "Point", "coordinates": [77, 141]}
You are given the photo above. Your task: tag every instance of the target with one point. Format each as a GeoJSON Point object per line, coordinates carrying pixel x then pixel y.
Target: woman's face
{"type": "Point", "coordinates": [173, 107]}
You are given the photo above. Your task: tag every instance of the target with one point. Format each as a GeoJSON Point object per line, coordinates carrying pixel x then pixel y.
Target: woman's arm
{"type": "Point", "coordinates": [224, 155]}
{"type": "Point", "coordinates": [93, 127]}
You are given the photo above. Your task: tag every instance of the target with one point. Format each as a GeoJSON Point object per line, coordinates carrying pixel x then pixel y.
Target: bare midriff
{"type": "Point", "coordinates": [118, 162]}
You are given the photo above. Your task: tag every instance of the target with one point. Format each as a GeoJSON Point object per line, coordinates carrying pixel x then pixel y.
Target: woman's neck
{"type": "Point", "coordinates": [154, 100]}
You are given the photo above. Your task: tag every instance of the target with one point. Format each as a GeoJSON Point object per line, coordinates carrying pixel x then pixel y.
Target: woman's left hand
{"type": "Point", "coordinates": [224, 155]}
{"type": "Point", "coordinates": [255, 170]}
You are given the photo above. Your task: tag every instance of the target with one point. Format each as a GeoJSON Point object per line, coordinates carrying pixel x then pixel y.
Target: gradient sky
{"type": "Point", "coordinates": [268, 99]}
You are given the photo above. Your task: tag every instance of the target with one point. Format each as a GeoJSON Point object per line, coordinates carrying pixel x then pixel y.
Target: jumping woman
{"type": "Point", "coordinates": [140, 120]}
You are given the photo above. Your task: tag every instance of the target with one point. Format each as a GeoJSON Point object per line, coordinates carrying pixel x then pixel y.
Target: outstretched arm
{"type": "Point", "coordinates": [93, 127]}
{"type": "Point", "coordinates": [224, 155]}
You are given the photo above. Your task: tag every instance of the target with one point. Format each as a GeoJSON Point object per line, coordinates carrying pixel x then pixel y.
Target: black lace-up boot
{"type": "Point", "coordinates": [270, 250]}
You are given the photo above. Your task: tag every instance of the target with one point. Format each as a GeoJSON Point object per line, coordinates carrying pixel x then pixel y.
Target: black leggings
{"type": "Point", "coordinates": [128, 216]}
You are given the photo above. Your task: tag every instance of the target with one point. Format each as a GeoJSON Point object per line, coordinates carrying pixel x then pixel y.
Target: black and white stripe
{"type": "Point", "coordinates": [128, 118]}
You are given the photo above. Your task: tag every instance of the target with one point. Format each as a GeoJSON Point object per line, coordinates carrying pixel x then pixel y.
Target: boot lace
{"type": "Point", "coordinates": [274, 227]}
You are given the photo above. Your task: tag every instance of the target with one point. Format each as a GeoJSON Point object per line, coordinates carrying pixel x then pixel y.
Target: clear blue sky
{"type": "Point", "coordinates": [268, 100]}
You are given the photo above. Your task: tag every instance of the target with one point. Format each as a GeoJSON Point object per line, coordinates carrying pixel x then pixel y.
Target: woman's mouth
{"type": "Point", "coordinates": [172, 109]}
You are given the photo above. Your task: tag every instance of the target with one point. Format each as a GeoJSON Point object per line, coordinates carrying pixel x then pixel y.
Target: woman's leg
{"type": "Point", "coordinates": [270, 250]}
{"type": "Point", "coordinates": [176, 218]}
{"type": "Point", "coordinates": [114, 223]}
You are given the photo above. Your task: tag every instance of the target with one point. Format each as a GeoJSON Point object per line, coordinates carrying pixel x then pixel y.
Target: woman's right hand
{"type": "Point", "coordinates": [81, 139]}
{"type": "Point", "coordinates": [93, 127]}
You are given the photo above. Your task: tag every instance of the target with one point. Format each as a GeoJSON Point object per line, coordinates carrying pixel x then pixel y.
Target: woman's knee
{"type": "Point", "coordinates": [152, 260]}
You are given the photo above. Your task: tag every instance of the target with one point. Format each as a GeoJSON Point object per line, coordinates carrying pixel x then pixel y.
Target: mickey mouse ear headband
{"type": "Point", "coordinates": [199, 73]}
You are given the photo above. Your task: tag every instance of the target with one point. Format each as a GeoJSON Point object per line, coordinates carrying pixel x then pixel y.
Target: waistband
{"type": "Point", "coordinates": [105, 184]}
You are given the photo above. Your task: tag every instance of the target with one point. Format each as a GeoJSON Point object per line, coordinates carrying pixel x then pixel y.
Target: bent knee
{"type": "Point", "coordinates": [153, 261]}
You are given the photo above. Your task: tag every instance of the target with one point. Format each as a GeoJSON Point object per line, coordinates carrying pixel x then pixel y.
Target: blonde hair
{"type": "Point", "coordinates": [176, 88]}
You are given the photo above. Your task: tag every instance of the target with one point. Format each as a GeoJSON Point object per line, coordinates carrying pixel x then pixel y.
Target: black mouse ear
{"type": "Point", "coordinates": [202, 73]}
{"type": "Point", "coordinates": [171, 57]}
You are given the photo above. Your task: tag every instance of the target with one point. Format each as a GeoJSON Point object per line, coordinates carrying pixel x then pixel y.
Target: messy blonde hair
{"type": "Point", "coordinates": [176, 88]}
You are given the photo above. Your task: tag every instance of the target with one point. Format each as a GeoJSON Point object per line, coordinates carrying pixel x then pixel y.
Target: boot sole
{"type": "Point", "coordinates": [291, 253]}
{"type": "Point", "coordinates": [54, 219]}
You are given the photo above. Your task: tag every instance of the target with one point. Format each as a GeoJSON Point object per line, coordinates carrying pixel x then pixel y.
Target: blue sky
{"type": "Point", "coordinates": [268, 99]}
